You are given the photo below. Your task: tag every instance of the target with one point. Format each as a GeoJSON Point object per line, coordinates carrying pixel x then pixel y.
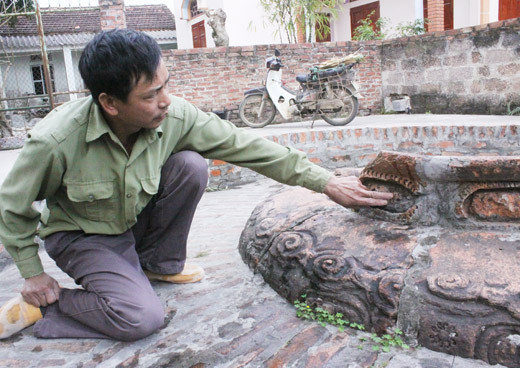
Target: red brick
{"type": "Point", "coordinates": [363, 146]}
{"type": "Point", "coordinates": [369, 157]}
{"type": "Point", "coordinates": [218, 162]}
{"type": "Point", "coordinates": [443, 144]}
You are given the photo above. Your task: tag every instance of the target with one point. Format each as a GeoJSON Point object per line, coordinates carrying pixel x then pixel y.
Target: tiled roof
{"type": "Point", "coordinates": [81, 20]}
{"type": "Point", "coordinates": [57, 41]}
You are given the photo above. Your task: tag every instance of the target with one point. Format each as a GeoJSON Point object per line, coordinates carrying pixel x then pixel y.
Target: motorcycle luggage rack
{"type": "Point", "coordinates": [333, 77]}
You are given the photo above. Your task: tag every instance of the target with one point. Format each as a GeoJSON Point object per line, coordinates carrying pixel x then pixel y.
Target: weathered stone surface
{"type": "Point", "coordinates": [444, 241]}
{"type": "Point", "coordinates": [341, 261]}
{"type": "Point", "coordinates": [500, 205]}
{"type": "Point", "coordinates": [470, 296]}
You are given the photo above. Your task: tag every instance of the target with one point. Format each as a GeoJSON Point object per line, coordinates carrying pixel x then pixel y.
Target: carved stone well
{"type": "Point", "coordinates": [441, 260]}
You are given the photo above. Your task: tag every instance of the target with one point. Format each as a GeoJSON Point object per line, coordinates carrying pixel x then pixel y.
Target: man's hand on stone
{"type": "Point", "coordinates": [349, 192]}
{"type": "Point", "coordinates": [41, 290]}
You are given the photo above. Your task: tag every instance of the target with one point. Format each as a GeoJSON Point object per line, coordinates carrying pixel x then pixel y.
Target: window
{"type": "Point", "coordinates": [199, 35]}
{"type": "Point", "coordinates": [194, 9]}
{"type": "Point", "coordinates": [40, 87]}
{"type": "Point", "coordinates": [361, 12]}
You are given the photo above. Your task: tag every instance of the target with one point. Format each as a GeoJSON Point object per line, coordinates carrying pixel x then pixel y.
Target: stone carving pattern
{"type": "Point", "coordinates": [335, 275]}
{"type": "Point", "coordinates": [499, 345]}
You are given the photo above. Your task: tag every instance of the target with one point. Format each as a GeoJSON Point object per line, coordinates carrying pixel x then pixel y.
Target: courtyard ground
{"type": "Point", "coordinates": [230, 319]}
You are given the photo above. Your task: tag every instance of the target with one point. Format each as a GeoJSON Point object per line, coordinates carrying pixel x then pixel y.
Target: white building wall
{"type": "Point", "coordinates": [466, 13]}
{"type": "Point", "coordinates": [60, 76]}
{"type": "Point", "coordinates": [184, 40]}
{"type": "Point", "coordinates": [395, 12]}
{"type": "Point", "coordinates": [246, 24]}
{"type": "Point", "coordinates": [340, 26]}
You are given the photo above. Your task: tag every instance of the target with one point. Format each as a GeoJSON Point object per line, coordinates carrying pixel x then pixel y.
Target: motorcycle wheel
{"type": "Point", "coordinates": [249, 114]}
{"type": "Point", "coordinates": [348, 110]}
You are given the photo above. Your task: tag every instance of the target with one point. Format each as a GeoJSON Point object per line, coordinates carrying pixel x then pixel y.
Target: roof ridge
{"type": "Point", "coordinates": [81, 19]}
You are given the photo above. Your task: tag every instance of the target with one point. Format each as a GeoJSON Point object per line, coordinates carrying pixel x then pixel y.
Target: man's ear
{"type": "Point", "coordinates": [109, 104]}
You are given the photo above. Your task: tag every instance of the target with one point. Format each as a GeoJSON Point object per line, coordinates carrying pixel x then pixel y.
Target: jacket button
{"type": "Point", "coordinates": [91, 197]}
{"type": "Point", "coordinates": [128, 195]}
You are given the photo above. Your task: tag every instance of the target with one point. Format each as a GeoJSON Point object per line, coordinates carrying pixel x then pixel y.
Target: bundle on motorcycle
{"type": "Point", "coordinates": [327, 91]}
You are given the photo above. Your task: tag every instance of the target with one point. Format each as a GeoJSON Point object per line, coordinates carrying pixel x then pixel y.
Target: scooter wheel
{"type": "Point", "coordinates": [346, 110]}
{"type": "Point", "coordinates": [255, 114]}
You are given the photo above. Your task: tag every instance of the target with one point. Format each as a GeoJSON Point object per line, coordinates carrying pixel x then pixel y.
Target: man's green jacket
{"type": "Point", "coordinates": [75, 162]}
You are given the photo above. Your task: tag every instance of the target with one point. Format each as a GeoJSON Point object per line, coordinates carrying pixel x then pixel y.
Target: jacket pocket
{"type": "Point", "coordinates": [150, 185]}
{"type": "Point", "coordinates": [94, 200]}
{"type": "Point", "coordinates": [150, 188]}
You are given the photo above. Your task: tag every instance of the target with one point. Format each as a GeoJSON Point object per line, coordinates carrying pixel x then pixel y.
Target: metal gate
{"type": "Point", "coordinates": [33, 79]}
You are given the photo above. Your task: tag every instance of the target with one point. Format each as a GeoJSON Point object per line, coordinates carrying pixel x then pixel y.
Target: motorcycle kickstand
{"type": "Point", "coordinates": [313, 119]}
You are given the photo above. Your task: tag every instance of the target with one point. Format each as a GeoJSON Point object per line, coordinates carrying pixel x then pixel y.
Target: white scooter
{"type": "Point", "coordinates": [329, 93]}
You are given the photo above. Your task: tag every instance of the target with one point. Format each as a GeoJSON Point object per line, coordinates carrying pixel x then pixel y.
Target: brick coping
{"type": "Point", "coordinates": [334, 147]}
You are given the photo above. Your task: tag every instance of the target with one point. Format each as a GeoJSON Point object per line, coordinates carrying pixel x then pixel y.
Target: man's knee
{"type": "Point", "coordinates": [138, 321]}
{"type": "Point", "coordinates": [189, 165]}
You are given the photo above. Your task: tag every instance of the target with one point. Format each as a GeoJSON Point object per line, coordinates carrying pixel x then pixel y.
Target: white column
{"type": "Point", "coordinates": [69, 71]}
{"type": "Point", "coordinates": [419, 14]}
{"type": "Point", "coordinates": [493, 11]}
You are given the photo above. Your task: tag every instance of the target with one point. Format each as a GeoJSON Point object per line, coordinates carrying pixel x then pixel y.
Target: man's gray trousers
{"type": "Point", "coordinates": [117, 300]}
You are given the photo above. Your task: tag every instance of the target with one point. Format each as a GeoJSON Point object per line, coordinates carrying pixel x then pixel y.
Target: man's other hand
{"type": "Point", "coordinates": [40, 290]}
{"type": "Point", "coordinates": [349, 192]}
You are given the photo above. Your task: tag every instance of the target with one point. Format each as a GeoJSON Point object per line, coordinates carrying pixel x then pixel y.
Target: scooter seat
{"type": "Point", "coordinates": [303, 78]}
{"type": "Point", "coordinates": [317, 75]}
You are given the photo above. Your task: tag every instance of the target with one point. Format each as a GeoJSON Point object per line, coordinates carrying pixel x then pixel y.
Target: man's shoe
{"type": "Point", "coordinates": [15, 315]}
{"type": "Point", "coordinates": [191, 273]}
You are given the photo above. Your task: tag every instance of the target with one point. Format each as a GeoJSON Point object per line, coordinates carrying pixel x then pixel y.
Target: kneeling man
{"type": "Point", "coordinates": [122, 172]}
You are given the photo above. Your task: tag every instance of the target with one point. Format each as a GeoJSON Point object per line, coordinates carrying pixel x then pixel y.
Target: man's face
{"type": "Point", "coordinates": [147, 102]}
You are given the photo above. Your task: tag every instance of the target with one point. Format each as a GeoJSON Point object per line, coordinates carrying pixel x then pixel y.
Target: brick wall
{"type": "Point", "coordinates": [112, 14]}
{"type": "Point", "coordinates": [473, 70]}
{"type": "Point", "coordinates": [216, 78]}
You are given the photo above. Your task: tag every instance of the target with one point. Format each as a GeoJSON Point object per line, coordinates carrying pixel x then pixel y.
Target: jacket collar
{"type": "Point", "coordinates": [97, 126]}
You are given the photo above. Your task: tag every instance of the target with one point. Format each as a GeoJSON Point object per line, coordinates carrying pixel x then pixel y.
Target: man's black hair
{"type": "Point", "coordinates": [114, 61]}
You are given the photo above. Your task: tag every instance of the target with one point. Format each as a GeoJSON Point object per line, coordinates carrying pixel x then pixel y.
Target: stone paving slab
{"type": "Point", "coordinates": [230, 319]}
